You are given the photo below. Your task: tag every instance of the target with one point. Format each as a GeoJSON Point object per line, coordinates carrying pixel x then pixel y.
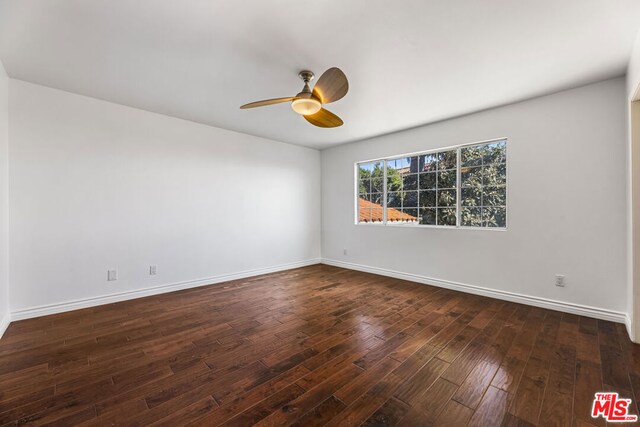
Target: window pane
{"type": "Point", "coordinates": [376, 213]}
{"type": "Point", "coordinates": [401, 165]}
{"type": "Point", "coordinates": [364, 186]}
{"type": "Point", "coordinates": [494, 217]}
{"type": "Point", "coordinates": [414, 164]}
{"type": "Point", "coordinates": [471, 196]}
{"type": "Point", "coordinates": [410, 199]}
{"type": "Point", "coordinates": [470, 217]}
{"type": "Point", "coordinates": [495, 153]}
{"type": "Point", "coordinates": [377, 184]}
{"type": "Point", "coordinates": [428, 216]}
{"type": "Point", "coordinates": [448, 160]}
{"type": "Point", "coordinates": [366, 170]}
{"type": "Point", "coordinates": [428, 198]}
{"type": "Point", "coordinates": [494, 196]}
{"type": "Point", "coordinates": [369, 174]}
{"type": "Point", "coordinates": [376, 198]}
{"type": "Point", "coordinates": [429, 162]}
{"type": "Point", "coordinates": [446, 197]}
{"type": "Point", "coordinates": [484, 179]}
{"type": "Point", "coordinates": [447, 216]}
{"type": "Point", "coordinates": [447, 179]}
{"type": "Point", "coordinates": [427, 180]}
{"type": "Point", "coordinates": [471, 176]}
{"type": "Point", "coordinates": [394, 180]}
{"type": "Point", "coordinates": [410, 182]}
{"type": "Point", "coordinates": [494, 175]}
{"type": "Point", "coordinates": [411, 211]}
{"type": "Point", "coordinates": [471, 156]}
{"type": "Point", "coordinates": [364, 213]}
{"type": "Point", "coordinates": [395, 170]}
{"type": "Point", "coordinates": [394, 200]}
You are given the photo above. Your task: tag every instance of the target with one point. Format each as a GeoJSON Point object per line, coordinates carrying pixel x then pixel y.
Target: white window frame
{"type": "Point", "coordinates": [458, 206]}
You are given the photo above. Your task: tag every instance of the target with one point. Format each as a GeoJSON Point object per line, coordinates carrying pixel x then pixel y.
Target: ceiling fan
{"type": "Point", "coordinates": [331, 86]}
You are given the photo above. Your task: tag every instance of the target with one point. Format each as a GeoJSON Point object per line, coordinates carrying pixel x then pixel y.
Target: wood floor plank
{"type": "Point", "coordinates": [492, 408]}
{"type": "Point", "coordinates": [295, 409]}
{"type": "Point", "coordinates": [428, 407]}
{"type": "Point", "coordinates": [317, 345]}
{"type": "Point", "coordinates": [322, 413]}
{"type": "Point", "coordinates": [471, 391]}
{"type": "Point", "coordinates": [389, 414]}
{"type": "Point", "coordinates": [411, 390]}
{"type": "Point", "coordinates": [528, 398]}
{"type": "Point", "coordinates": [454, 414]}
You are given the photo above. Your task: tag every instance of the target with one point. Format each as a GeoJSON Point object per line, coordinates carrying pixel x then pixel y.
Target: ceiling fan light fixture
{"type": "Point", "coordinates": [306, 106]}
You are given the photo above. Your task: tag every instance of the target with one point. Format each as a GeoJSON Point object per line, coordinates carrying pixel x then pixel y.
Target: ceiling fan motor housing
{"type": "Point", "coordinates": [306, 75]}
{"type": "Point", "coordinates": [305, 103]}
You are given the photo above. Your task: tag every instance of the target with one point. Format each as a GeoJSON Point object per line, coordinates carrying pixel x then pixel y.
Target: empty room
{"type": "Point", "coordinates": [342, 213]}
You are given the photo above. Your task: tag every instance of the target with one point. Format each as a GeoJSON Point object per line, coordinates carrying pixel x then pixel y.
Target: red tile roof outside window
{"type": "Point", "coordinates": [373, 212]}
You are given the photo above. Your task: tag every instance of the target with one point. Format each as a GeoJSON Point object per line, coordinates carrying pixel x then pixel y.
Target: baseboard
{"type": "Point", "coordinates": [628, 323]}
{"type": "Point", "coordinates": [582, 310]}
{"type": "Point", "coordinates": [45, 310]}
{"type": "Point", "coordinates": [4, 323]}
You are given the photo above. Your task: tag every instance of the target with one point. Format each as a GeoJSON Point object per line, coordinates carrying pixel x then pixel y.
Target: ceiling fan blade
{"type": "Point", "coordinates": [324, 119]}
{"type": "Point", "coordinates": [266, 102]}
{"type": "Point", "coordinates": [332, 86]}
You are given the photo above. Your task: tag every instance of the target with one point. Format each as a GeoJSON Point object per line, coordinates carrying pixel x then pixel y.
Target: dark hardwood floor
{"type": "Point", "coordinates": [312, 346]}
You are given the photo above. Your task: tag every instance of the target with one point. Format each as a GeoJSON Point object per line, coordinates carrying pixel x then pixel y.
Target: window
{"type": "Point", "coordinates": [483, 172]}
{"type": "Point", "coordinates": [462, 186]}
{"type": "Point", "coordinates": [370, 192]}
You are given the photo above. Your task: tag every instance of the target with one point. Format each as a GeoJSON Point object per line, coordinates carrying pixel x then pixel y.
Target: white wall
{"type": "Point", "coordinates": [4, 201]}
{"type": "Point", "coordinates": [96, 186]}
{"type": "Point", "coordinates": [566, 202]}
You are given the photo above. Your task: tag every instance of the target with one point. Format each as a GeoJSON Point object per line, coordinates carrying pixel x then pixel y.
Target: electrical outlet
{"type": "Point", "coordinates": [112, 275]}
{"type": "Point", "coordinates": [560, 280]}
{"type": "Point", "coordinates": [344, 251]}
{"type": "Point", "coordinates": [153, 270]}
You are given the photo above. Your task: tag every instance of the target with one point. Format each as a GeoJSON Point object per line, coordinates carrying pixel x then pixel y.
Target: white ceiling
{"type": "Point", "coordinates": [408, 62]}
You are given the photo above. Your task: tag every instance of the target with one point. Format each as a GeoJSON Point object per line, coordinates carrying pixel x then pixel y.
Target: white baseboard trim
{"type": "Point", "coordinates": [4, 323]}
{"type": "Point", "coordinates": [45, 310]}
{"type": "Point", "coordinates": [582, 310]}
{"type": "Point", "coordinates": [578, 309]}
{"type": "Point", "coordinates": [628, 323]}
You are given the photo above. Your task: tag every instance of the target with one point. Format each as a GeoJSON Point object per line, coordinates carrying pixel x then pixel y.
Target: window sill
{"type": "Point", "coordinates": [439, 227]}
